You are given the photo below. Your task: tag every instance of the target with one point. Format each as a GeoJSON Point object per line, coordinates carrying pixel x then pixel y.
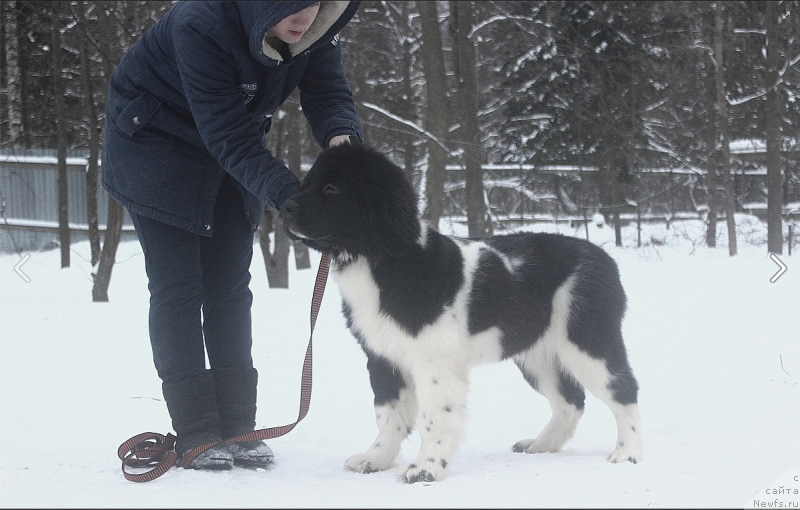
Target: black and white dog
{"type": "Point", "coordinates": [426, 308]}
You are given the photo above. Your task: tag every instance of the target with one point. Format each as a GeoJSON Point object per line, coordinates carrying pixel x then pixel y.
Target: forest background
{"type": "Point", "coordinates": [497, 110]}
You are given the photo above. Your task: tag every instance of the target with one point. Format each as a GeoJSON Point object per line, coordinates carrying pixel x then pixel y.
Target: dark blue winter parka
{"type": "Point", "coordinates": [195, 96]}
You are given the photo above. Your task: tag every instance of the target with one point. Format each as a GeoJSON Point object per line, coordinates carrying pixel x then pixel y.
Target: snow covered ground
{"type": "Point", "coordinates": [714, 344]}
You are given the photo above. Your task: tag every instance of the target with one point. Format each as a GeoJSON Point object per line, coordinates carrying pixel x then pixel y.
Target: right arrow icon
{"type": "Point", "coordinates": [780, 271]}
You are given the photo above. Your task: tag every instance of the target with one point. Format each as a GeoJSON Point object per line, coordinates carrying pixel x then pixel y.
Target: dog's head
{"type": "Point", "coordinates": [354, 201]}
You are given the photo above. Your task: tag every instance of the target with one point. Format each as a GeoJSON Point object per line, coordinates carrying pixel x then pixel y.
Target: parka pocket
{"type": "Point", "coordinates": [137, 114]}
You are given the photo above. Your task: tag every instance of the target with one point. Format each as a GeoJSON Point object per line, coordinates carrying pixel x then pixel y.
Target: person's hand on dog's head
{"type": "Point", "coordinates": [340, 139]}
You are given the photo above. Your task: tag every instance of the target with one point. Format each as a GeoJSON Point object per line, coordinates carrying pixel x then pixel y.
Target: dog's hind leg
{"type": "Point", "coordinates": [593, 350]}
{"type": "Point", "coordinates": [395, 415]}
{"type": "Point", "coordinates": [565, 395]}
{"type": "Point", "coordinates": [612, 381]}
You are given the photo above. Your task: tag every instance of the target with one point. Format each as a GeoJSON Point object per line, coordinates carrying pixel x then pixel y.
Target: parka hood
{"type": "Point", "coordinates": [259, 16]}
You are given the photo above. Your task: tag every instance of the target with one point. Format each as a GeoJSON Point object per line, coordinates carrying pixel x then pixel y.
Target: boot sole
{"type": "Point", "coordinates": [209, 461]}
{"type": "Point", "coordinates": [253, 464]}
{"type": "Point", "coordinates": [222, 466]}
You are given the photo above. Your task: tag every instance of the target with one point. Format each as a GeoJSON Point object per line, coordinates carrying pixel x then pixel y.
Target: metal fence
{"type": "Point", "coordinates": [29, 201]}
{"type": "Point", "coordinates": [516, 193]}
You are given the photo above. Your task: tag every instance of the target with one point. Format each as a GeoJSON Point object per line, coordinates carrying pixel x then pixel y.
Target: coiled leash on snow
{"type": "Point", "coordinates": [156, 451]}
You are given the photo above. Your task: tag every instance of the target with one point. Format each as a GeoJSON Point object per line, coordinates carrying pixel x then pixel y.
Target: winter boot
{"type": "Point", "coordinates": [192, 405]}
{"type": "Point", "coordinates": [236, 401]}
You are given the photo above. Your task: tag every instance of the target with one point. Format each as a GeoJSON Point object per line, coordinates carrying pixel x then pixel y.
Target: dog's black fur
{"type": "Point", "coordinates": [426, 307]}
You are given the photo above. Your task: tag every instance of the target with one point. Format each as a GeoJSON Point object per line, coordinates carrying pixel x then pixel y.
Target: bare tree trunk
{"type": "Point", "coordinates": [264, 229]}
{"type": "Point", "coordinates": [294, 160]}
{"type": "Point", "coordinates": [302, 259]}
{"type": "Point", "coordinates": [435, 111]}
{"type": "Point", "coordinates": [409, 158]}
{"type": "Point", "coordinates": [617, 219]}
{"type": "Point", "coordinates": [583, 195]}
{"type": "Point", "coordinates": [605, 193]}
{"type": "Point", "coordinates": [724, 142]}
{"type": "Point", "coordinates": [276, 262]}
{"type": "Point", "coordinates": [102, 278]}
{"type": "Point", "coordinates": [278, 278]}
{"type": "Point", "coordinates": [110, 50]}
{"type": "Point", "coordinates": [61, 130]}
{"type": "Point", "coordinates": [772, 119]}
{"type": "Point", "coordinates": [710, 131]}
{"type": "Point", "coordinates": [470, 131]}
{"type": "Point", "coordinates": [610, 194]}
{"type": "Point", "coordinates": [13, 76]}
{"type": "Point", "coordinates": [93, 125]}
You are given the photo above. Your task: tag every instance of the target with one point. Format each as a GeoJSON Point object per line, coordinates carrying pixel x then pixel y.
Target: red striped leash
{"type": "Point", "coordinates": [157, 452]}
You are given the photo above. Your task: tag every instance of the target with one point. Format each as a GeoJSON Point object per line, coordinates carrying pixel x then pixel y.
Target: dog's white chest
{"type": "Point", "coordinates": [381, 334]}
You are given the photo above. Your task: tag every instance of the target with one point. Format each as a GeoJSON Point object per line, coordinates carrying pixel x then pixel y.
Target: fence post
{"type": "Point", "coordinates": [638, 224]}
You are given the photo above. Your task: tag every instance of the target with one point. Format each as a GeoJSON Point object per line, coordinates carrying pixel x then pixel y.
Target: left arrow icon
{"type": "Point", "coordinates": [18, 268]}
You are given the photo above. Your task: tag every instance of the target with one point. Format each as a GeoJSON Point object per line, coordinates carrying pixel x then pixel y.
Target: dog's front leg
{"type": "Point", "coordinates": [442, 393]}
{"type": "Point", "coordinates": [395, 414]}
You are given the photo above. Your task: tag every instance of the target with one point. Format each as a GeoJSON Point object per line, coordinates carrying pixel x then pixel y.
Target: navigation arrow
{"type": "Point", "coordinates": [18, 268]}
{"type": "Point", "coordinates": [780, 271]}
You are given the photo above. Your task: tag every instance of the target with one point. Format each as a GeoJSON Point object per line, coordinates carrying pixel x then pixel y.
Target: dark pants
{"type": "Point", "coordinates": [199, 290]}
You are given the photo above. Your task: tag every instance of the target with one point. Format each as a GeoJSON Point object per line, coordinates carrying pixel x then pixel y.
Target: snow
{"type": "Point", "coordinates": [43, 160]}
{"type": "Point", "coordinates": [748, 146]}
{"type": "Point", "coordinates": [713, 343]}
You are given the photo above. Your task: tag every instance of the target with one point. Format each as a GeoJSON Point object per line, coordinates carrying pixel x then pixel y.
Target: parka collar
{"type": "Point", "coordinates": [259, 16]}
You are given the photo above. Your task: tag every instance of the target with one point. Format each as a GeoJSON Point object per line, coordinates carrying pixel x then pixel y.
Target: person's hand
{"type": "Point", "coordinates": [340, 139]}
{"type": "Point", "coordinates": [336, 140]}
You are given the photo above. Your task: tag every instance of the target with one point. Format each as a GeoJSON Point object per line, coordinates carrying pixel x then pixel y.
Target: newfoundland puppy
{"type": "Point", "coordinates": [426, 307]}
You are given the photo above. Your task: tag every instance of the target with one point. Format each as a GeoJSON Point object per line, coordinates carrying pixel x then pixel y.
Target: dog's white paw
{"type": "Point", "coordinates": [625, 453]}
{"type": "Point", "coordinates": [533, 446]}
{"type": "Point", "coordinates": [430, 472]}
{"type": "Point", "coordinates": [363, 463]}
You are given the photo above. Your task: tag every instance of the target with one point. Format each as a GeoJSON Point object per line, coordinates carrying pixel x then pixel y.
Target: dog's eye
{"type": "Point", "coordinates": [330, 189]}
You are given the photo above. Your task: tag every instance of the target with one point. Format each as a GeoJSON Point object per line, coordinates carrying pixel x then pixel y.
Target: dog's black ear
{"type": "Point", "coordinates": [391, 210]}
{"type": "Point", "coordinates": [400, 229]}
{"type": "Point", "coordinates": [399, 220]}
{"type": "Point", "coordinates": [392, 219]}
